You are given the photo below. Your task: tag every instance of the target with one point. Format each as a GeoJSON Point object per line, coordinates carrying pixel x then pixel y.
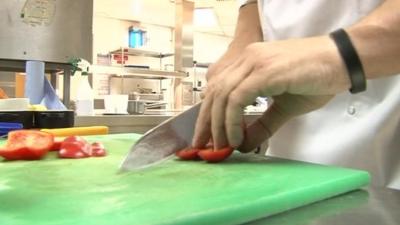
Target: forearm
{"type": "Point", "coordinates": [248, 30]}
{"type": "Point", "coordinates": [377, 40]}
{"type": "Point", "coordinates": [248, 27]}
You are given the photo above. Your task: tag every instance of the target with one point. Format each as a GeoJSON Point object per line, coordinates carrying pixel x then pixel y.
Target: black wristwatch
{"type": "Point", "coordinates": [351, 60]}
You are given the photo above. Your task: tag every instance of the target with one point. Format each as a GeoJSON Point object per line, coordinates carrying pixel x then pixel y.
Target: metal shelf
{"type": "Point", "coordinates": [201, 65]}
{"type": "Point", "coordinates": [140, 52]}
{"type": "Point", "coordinates": [139, 73]}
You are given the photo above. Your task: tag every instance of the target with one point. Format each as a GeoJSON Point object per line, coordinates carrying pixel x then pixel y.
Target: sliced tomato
{"type": "Point", "coordinates": [57, 144]}
{"type": "Point", "coordinates": [74, 150]}
{"type": "Point", "coordinates": [75, 139]}
{"type": "Point", "coordinates": [98, 149]}
{"type": "Point", "coordinates": [27, 145]}
{"type": "Point", "coordinates": [75, 147]}
{"type": "Point", "coordinates": [188, 154]}
{"type": "Point", "coordinates": [210, 144]}
{"type": "Point", "coordinates": [214, 156]}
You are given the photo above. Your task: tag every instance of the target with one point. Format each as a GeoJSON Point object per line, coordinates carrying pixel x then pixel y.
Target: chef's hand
{"type": "Point", "coordinates": [221, 64]}
{"type": "Point", "coordinates": [301, 75]}
{"type": "Point", "coordinates": [247, 31]}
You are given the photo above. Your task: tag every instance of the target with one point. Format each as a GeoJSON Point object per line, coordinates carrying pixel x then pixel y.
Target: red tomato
{"type": "Point", "coordinates": [27, 145]}
{"type": "Point", "coordinates": [57, 144]}
{"type": "Point", "coordinates": [75, 147]}
{"type": "Point", "coordinates": [188, 154]}
{"type": "Point", "coordinates": [74, 150]}
{"type": "Point", "coordinates": [211, 155]}
{"type": "Point", "coordinates": [74, 139]}
{"type": "Point", "coordinates": [210, 144]}
{"type": "Point", "coordinates": [98, 149]}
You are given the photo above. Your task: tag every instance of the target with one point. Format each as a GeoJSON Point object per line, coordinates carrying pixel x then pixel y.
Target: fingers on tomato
{"type": "Point", "coordinates": [188, 154]}
{"type": "Point", "coordinates": [210, 144]}
{"type": "Point", "coordinates": [208, 154]}
{"type": "Point", "coordinates": [215, 155]}
{"type": "Point", "coordinates": [27, 145]}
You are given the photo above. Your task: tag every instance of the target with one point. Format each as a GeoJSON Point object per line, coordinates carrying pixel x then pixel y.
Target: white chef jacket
{"type": "Point", "coordinates": [353, 130]}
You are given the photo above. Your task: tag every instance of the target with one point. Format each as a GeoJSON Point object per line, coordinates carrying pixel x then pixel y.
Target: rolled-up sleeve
{"type": "Point", "coordinates": [245, 2]}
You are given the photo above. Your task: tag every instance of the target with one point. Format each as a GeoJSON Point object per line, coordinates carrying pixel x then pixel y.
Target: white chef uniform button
{"type": "Point", "coordinates": [351, 110]}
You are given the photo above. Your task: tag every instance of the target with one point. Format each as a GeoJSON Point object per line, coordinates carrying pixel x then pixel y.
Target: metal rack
{"type": "Point", "coordinates": [140, 52]}
{"type": "Point", "coordinates": [140, 73]}
{"type": "Point", "coordinates": [126, 71]}
{"type": "Point", "coordinates": [129, 71]}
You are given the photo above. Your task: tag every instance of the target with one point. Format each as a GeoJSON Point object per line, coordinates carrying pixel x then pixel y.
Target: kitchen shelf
{"type": "Point", "coordinates": [139, 73]}
{"type": "Point", "coordinates": [201, 65]}
{"type": "Point", "coordinates": [140, 52]}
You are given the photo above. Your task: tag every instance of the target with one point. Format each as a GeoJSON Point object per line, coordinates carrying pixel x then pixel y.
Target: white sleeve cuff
{"type": "Point", "coordinates": [245, 2]}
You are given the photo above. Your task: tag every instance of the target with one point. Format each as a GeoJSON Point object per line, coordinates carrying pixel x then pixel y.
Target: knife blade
{"type": "Point", "coordinates": [162, 141]}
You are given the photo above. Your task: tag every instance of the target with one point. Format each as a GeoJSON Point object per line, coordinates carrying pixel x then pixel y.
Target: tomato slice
{"type": "Point", "coordinates": [57, 144]}
{"type": "Point", "coordinates": [27, 145]}
{"type": "Point", "coordinates": [98, 149]}
{"type": "Point", "coordinates": [75, 139]}
{"type": "Point", "coordinates": [188, 154]}
{"type": "Point", "coordinates": [74, 150]}
{"type": "Point", "coordinates": [75, 147]}
{"type": "Point", "coordinates": [214, 156]}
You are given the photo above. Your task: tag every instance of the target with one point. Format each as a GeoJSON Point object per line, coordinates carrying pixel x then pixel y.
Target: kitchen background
{"type": "Point", "coordinates": [212, 30]}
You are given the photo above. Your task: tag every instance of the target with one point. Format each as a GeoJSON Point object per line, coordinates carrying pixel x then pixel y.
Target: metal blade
{"type": "Point", "coordinates": [162, 141]}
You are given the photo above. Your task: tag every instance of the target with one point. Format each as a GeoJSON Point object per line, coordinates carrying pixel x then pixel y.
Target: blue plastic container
{"type": "Point", "coordinates": [7, 127]}
{"type": "Point", "coordinates": [137, 37]}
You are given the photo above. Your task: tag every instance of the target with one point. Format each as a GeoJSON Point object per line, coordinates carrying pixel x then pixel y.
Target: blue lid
{"type": "Point", "coordinates": [7, 127]}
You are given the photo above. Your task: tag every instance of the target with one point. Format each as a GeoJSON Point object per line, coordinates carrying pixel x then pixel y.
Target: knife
{"type": "Point", "coordinates": [162, 141]}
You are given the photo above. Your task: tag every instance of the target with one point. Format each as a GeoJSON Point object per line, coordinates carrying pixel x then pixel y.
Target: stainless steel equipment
{"type": "Point", "coordinates": [53, 31]}
{"type": "Point", "coordinates": [147, 97]}
{"type": "Point", "coordinates": [140, 106]}
{"type": "Point", "coordinates": [183, 34]}
{"type": "Point", "coordinates": [46, 30]}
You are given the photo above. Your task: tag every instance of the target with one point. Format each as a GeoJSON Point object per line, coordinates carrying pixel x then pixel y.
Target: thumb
{"type": "Point", "coordinates": [263, 128]}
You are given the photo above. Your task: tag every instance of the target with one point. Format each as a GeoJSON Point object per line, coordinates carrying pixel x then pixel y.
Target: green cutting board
{"type": "Point", "coordinates": [91, 191]}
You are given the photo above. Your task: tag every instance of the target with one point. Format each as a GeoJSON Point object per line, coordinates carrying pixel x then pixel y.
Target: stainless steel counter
{"type": "Point", "coordinates": [132, 123]}
{"type": "Point", "coordinates": [372, 206]}
{"type": "Point", "coordinates": [123, 123]}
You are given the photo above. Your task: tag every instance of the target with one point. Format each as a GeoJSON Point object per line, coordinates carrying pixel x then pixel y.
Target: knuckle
{"type": "Point", "coordinates": [213, 71]}
{"type": "Point", "coordinates": [219, 90]}
{"type": "Point", "coordinates": [234, 99]}
{"type": "Point", "coordinates": [259, 65]}
{"type": "Point", "coordinates": [237, 98]}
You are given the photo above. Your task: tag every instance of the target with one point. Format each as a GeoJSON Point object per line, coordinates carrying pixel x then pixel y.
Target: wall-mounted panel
{"type": "Point", "coordinates": [46, 30]}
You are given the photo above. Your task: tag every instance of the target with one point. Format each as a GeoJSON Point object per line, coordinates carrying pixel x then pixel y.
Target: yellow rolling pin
{"type": "Point", "coordinates": [78, 131]}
